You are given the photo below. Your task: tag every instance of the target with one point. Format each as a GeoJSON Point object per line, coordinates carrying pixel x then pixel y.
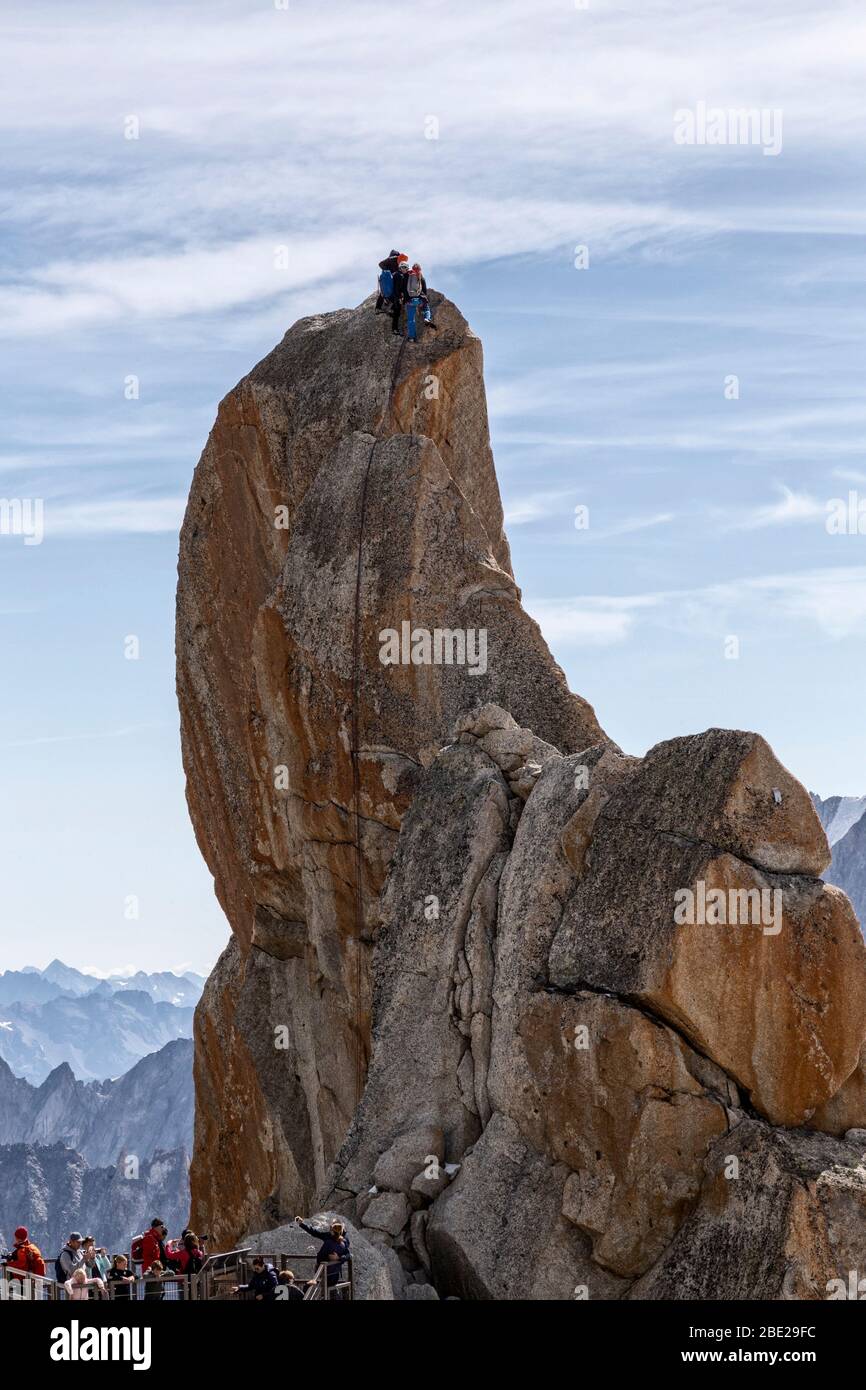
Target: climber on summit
{"type": "Point", "coordinates": [398, 296]}
{"type": "Point", "coordinates": [387, 270]}
{"type": "Point", "coordinates": [416, 297]}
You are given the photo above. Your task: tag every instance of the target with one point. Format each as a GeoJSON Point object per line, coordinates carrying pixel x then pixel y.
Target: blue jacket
{"type": "Point", "coordinates": [330, 1246]}
{"type": "Point", "coordinates": [263, 1282]}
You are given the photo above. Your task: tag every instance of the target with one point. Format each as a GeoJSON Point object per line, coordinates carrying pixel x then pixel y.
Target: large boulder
{"type": "Point", "coordinates": [630, 1108]}
{"type": "Point", "coordinates": [847, 1108]}
{"type": "Point", "coordinates": [388, 1212]}
{"type": "Point", "coordinates": [409, 1157]}
{"type": "Point", "coordinates": [762, 970]}
{"type": "Point", "coordinates": [782, 1215]}
{"type": "Point", "coordinates": [499, 1232]}
{"type": "Point", "coordinates": [726, 788]}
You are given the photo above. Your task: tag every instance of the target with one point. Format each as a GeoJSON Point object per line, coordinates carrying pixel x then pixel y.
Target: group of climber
{"type": "Point", "coordinates": [403, 286]}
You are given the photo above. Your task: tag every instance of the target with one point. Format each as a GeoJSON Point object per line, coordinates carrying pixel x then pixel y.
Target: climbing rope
{"type": "Point", "coordinates": [356, 735]}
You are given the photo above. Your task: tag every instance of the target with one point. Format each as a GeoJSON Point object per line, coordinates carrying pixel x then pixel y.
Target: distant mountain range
{"type": "Point", "coordinates": [32, 986]}
{"type": "Point", "coordinates": [66, 1133]}
{"type": "Point", "coordinates": [65, 1148]}
{"type": "Point", "coordinates": [100, 1027]}
{"type": "Point", "coordinates": [149, 1108]}
{"type": "Point", "coordinates": [838, 813]}
{"type": "Point", "coordinates": [52, 1191]}
{"type": "Point", "coordinates": [844, 820]}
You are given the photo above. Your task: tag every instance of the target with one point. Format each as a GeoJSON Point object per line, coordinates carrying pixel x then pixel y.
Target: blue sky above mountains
{"type": "Point", "coordinates": [306, 128]}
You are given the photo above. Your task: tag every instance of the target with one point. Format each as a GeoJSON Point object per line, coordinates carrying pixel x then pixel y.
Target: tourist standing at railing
{"type": "Point", "coordinates": [189, 1259]}
{"type": "Point", "coordinates": [334, 1249]}
{"type": "Point", "coordinates": [78, 1286]}
{"type": "Point", "coordinates": [152, 1245]}
{"type": "Point", "coordinates": [173, 1248]}
{"type": "Point", "coordinates": [25, 1256]}
{"type": "Point", "coordinates": [287, 1290]}
{"type": "Point", "coordinates": [263, 1282]}
{"type": "Point", "coordinates": [102, 1262]}
{"type": "Point", "coordinates": [70, 1258]}
{"type": "Point", "coordinates": [91, 1265]}
{"type": "Point", "coordinates": [334, 1240]}
{"type": "Point", "coordinates": [200, 1239]}
{"type": "Point", "coordinates": [120, 1278]}
{"type": "Point", "coordinates": [153, 1289]}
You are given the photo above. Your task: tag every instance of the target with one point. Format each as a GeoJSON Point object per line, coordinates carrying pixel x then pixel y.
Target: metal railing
{"type": "Point", "coordinates": [219, 1273]}
{"type": "Point", "coordinates": [29, 1288]}
{"type": "Point", "coordinates": [312, 1277]}
{"type": "Point", "coordinates": [218, 1278]}
{"type": "Point", "coordinates": [320, 1287]}
{"type": "Point", "coordinates": [171, 1288]}
{"type": "Point", "coordinates": [19, 1287]}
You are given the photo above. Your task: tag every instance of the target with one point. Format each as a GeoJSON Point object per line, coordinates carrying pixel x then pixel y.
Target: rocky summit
{"type": "Point", "coordinates": [541, 1019]}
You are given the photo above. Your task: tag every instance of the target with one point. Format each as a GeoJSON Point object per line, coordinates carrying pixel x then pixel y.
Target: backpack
{"type": "Point", "coordinates": [35, 1263]}
{"type": "Point", "coordinates": [59, 1272]}
{"type": "Point", "coordinates": [136, 1250]}
{"type": "Point", "coordinates": [386, 284]}
{"type": "Point", "coordinates": [193, 1265]}
{"type": "Point", "coordinates": [413, 284]}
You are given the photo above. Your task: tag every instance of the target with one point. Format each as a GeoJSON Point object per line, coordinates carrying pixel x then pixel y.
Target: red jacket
{"type": "Point", "coordinates": [180, 1258]}
{"type": "Point", "coordinates": [151, 1249]}
{"type": "Point", "coordinates": [28, 1258]}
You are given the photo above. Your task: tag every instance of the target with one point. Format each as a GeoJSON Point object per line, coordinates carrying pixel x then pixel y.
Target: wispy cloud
{"type": "Point", "coordinates": [590, 621]}
{"type": "Point", "coordinates": [141, 515]}
{"type": "Point", "coordinates": [535, 506]}
{"type": "Point", "coordinates": [559, 502]}
{"type": "Point", "coordinates": [96, 736]}
{"type": "Point", "coordinates": [236, 149]}
{"type": "Point", "coordinates": [630, 525]}
{"type": "Point", "coordinates": [850, 475]}
{"type": "Point", "coordinates": [196, 280]}
{"type": "Point", "coordinates": [791, 507]}
{"type": "Point", "coordinates": [830, 600]}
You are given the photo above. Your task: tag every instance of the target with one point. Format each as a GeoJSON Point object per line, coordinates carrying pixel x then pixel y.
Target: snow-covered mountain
{"type": "Point", "coordinates": [37, 986]}
{"type": "Point", "coordinates": [848, 870]}
{"type": "Point", "coordinates": [100, 1027]}
{"type": "Point", "coordinates": [838, 813]}
{"type": "Point", "coordinates": [66, 1141]}
{"type": "Point", "coordinates": [844, 819]}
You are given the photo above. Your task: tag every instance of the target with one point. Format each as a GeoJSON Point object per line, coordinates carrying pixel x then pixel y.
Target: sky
{"type": "Point", "coordinates": [673, 335]}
